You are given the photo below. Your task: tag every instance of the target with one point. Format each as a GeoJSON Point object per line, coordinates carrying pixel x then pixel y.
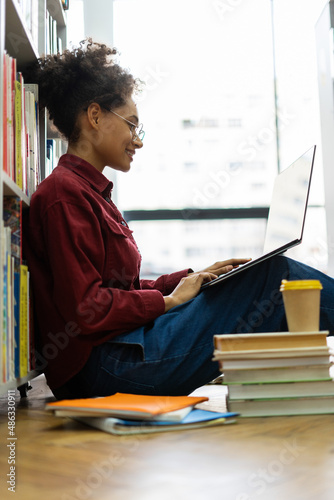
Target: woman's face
{"type": "Point", "coordinates": [116, 144]}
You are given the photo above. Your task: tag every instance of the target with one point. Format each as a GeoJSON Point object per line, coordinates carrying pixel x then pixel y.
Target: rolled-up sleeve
{"type": "Point", "coordinates": [165, 283]}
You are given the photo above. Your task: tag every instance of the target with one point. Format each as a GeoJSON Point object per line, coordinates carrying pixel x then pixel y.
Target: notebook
{"type": "Point", "coordinates": [287, 212]}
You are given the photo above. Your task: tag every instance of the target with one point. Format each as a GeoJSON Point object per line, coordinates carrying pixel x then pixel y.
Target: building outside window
{"type": "Point", "coordinates": [230, 99]}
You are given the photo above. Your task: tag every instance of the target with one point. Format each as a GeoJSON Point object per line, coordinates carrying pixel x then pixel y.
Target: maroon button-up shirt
{"type": "Point", "coordinates": [84, 265]}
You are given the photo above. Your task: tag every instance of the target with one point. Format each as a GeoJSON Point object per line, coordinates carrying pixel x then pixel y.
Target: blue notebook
{"type": "Point", "coordinates": [194, 420]}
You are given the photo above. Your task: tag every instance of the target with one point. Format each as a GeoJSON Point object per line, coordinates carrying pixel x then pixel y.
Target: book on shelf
{"type": "Point", "coordinates": [12, 215]}
{"type": "Point", "coordinates": [8, 100]}
{"type": "Point", "coordinates": [288, 377]}
{"type": "Point", "coordinates": [53, 153]}
{"type": "Point", "coordinates": [4, 113]}
{"type": "Point", "coordinates": [19, 132]}
{"type": "Point", "coordinates": [65, 4]}
{"type": "Point", "coordinates": [32, 120]}
{"type": "Point", "coordinates": [195, 419]}
{"type": "Point", "coordinates": [16, 299]}
{"type": "Point", "coordinates": [53, 40]}
{"type": "Point", "coordinates": [128, 406]}
{"type": "Point", "coordinates": [20, 128]}
{"type": "Point", "coordinates": [24, 320]}
{"type": "Point", "coordinates": [6, 303]}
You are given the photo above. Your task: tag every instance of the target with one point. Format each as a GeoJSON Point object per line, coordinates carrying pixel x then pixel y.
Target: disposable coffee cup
{"type": "Point", "coordinates": [302, 304]}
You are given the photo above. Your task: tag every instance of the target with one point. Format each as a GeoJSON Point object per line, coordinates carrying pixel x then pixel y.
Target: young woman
{"type": "Point", "coordinates": [100, 328]}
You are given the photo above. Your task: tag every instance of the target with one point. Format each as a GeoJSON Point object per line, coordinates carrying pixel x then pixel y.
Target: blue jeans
{"type": "Point", "coordinates": [173, 354]}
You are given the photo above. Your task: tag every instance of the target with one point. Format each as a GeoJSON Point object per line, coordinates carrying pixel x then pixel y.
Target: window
{"type": "Point", "coordinates": [227, 93]}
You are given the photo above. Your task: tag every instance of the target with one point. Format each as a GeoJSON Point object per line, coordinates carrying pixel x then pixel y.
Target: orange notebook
{"type": "Point", "coordinates": [130, 406]}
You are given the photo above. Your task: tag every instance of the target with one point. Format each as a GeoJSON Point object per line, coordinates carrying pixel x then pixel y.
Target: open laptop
{"type": "Point", "coordinates": [287, 212]}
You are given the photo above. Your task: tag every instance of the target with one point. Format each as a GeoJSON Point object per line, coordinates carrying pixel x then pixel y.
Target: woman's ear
{"type": "Point", "coordinates": [94, 114]}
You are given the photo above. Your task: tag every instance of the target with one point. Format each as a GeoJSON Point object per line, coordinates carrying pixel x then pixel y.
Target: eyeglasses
{"type": "Point", "coordinates": [136, 130]}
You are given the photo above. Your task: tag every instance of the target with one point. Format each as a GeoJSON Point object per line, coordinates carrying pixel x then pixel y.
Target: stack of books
{"type": "Point", "coordinates": [17, 336]}
{"type": "Point", "coordinates": [276, 373]}
{"type": "Point", "coordinates": [132, 414]}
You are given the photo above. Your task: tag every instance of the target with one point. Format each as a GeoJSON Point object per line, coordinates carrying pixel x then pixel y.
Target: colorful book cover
{"type": "Point", "coordinates": [4, 260]}
{"type": "Point", "coordinates": [33, 132]}
{"type": "Point", "coordinates": [11, 94]}
{"type": "Point", "coordinates": [17, 324]}
{"type": "Point", "coordinates": [9, 124]}
{"type": "Point", "coordinates": [9, 291]}
{"type": "Point", "coordinates": [23, 320]}
{"type": "Point", "coordinates": [12, 215]}
{"type": "Point", "coordinates": [132, 406]}
{"type": "Point", "coordinates": [10, 314]}
{"type": "Point", "coordinates": [4, 117]}
{"type": "Point", "coordinates": [32, 358]}
{"type": "Point", "coordinates": [18, 135]}
{"type": "Point", "coordinates": [195, 419]}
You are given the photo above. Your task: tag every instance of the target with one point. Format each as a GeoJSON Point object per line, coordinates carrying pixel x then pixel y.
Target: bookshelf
{"type": "Point", "coordinates": [28, 29]}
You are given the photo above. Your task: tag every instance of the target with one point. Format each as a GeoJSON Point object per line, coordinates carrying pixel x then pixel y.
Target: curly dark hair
{"type": "Point", "coordinates": [70, 81]}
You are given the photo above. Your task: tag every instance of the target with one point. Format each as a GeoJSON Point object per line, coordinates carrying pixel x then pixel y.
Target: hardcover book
{"type": "Point", "coordinates": [129, 406]}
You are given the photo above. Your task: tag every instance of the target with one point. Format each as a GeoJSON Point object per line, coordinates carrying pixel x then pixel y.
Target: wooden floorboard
{"type": "Point", "coordinates": [254, 459]}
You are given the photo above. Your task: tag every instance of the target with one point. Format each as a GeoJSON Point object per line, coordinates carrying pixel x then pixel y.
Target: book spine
{"type": "Point", "coordinates": [20, 128]}
{"type": "Point", "coordinates": [4, 115]}
{"type": "Point", "coordinates": [23, 325]}
{"type": "Point", "coordinates": [32, 136]}
{"type": "Point", "coordinates": [16, 324]}
{"type": "Point", "coordinates": [4, 260]}
{"type": "Point", "coordinates": [18, 135]}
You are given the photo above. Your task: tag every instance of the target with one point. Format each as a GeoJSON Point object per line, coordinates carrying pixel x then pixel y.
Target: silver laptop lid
{"type": "Point", "coordinates": [288, 206]}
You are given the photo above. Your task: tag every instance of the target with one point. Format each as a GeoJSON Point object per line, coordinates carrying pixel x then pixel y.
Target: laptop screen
{"type": "Point", "coordinates": [289, 202]}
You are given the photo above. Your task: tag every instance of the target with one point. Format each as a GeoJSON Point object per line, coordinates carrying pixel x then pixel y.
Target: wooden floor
{"type": "Point", "coordinates": [290, 458]}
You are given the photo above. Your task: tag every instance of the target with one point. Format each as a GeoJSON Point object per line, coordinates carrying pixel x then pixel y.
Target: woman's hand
{"type": "Point", "coordinates": [225, 266]}
{"type": "Point", "coordinates": [187, 289]}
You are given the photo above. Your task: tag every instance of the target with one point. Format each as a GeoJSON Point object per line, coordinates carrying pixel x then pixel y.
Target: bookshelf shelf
{"type": "Point", "coordinates": [18, 39]}
{"type": "Point", "coordinates": [17, 382]}
{"type": "Point", "coordinates": [12, 189]}
{"type": "Point", "coordinates": [28, 29]}
{"type": "Point", "coordinates": [57, 12]}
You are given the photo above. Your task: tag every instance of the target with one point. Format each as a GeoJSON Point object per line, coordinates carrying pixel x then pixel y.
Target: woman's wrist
{"type": "Point", "coordinates": [170, 302]}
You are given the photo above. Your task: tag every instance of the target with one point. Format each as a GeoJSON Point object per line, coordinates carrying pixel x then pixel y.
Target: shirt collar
{"type": "Point", "coordinates": [85, 170]}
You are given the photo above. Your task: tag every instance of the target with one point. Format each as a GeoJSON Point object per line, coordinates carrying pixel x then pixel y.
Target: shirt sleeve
{"type": "Point", "coordinates": [76, 255]}
{"type": "Point", "coordinates": [165, 283]}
